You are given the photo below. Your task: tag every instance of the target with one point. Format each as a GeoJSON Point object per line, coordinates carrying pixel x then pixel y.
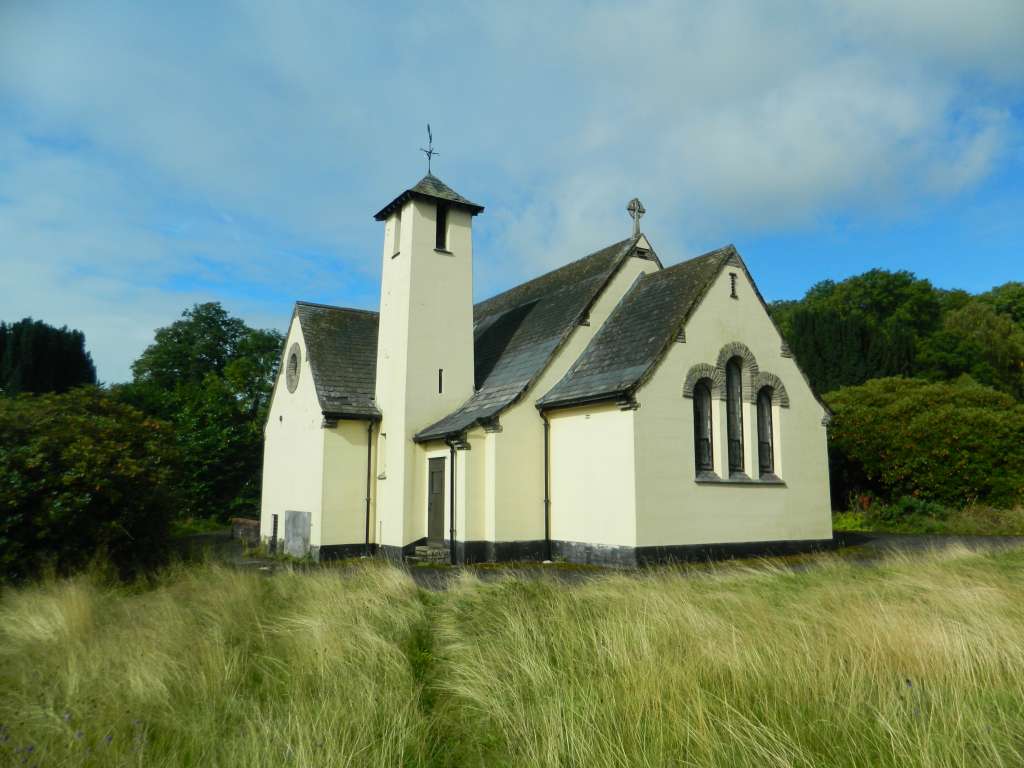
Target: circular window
{"type": "Point", "coordinates": [291, 371]}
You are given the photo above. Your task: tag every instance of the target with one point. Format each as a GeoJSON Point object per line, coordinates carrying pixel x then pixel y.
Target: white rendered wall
{"type": "Point", "coordinates": [473, 500]}
{"type": "Point", "coordinates": [593, 485]}
{"type": "Point", "coordinates": [673, 508]}
{"type": "Point", "coordinates": [293, 446]}
{"type": "Point", "coordinates": [426, 324]}
{"type": "Point", "coordinates": [516, 511]}
{"type": "Point", "coordinates": [344, 485]}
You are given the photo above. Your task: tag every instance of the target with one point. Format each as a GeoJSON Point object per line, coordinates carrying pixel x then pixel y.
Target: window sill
{"type": "Point", "coordinates": [443, 250]}
{"type": "Point", "coordinates": [710, 478]}
{"type": "Point", "coordinates": [396, 254]}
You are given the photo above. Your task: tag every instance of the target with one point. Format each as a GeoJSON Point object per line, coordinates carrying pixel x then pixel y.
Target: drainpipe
{"type": "Point", "coordinates": [547, 486]}
{"type": "Point", "coordinates": [369, 446]}
{"type": "Point", "coordinates": [451, 477]}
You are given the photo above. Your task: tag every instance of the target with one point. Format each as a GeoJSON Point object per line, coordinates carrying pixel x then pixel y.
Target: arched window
{"type": "Point", "coordinates": [765, 448]}
{"type": "Point", "coordinates": [734, 413]}
{"type": "Point", "coordinates": [702, 427]}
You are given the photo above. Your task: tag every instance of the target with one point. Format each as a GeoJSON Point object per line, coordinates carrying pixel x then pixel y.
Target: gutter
{"type": "Point", "coordinates": [369, 447]}
{"type": "Point", "coordinates": [336, 416]}
{"type": "Point", "coordinates": [572, 402]}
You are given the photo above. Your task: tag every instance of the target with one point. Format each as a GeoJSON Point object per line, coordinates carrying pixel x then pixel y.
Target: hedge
{"type": "Point", "coordinates": [949, 442]}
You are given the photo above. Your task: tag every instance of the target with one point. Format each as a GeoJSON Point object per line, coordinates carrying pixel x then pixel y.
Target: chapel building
{"type": "Point", "coordinates": [611, 411]}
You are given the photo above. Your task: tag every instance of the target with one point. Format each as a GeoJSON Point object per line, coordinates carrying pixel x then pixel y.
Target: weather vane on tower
{"type": "Point", "coordinates": [429, 151]}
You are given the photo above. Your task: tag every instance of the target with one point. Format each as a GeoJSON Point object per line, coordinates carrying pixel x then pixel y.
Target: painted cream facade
{"type": "Point", "coordinates": [425, 353]}
{"type": "Point", "coordinates": [512, 465]}
{"type": "Point", "coordinates": [674, 509]}
{"type": "Point", "coordinates": [312, 467]}
{"type": "Point", "coordinates": [594, 476]}
{"type": "Point", "coordinates": [612, 479]}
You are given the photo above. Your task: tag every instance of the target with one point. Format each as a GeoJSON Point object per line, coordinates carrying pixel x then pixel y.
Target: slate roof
{"type": "Point", "coordinates": [342, 348]}
{"type": "Point", "coordinates": [646, 321]}
{"type": "Point", "coordinates": [516, 333]}
{"type": "Point", "coordinates": [429, 187]}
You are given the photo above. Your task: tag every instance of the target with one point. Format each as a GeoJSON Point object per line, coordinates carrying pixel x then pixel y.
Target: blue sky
{"type": "Point", "coordinates": [153, 155]}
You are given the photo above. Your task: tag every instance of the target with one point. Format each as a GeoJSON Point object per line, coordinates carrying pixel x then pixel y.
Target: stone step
{"type": "Point", "coordinates": [432, 554]}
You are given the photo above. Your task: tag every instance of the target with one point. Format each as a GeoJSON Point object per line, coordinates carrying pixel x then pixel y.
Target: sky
{"type": "Point", "coordinates": [155, 155]}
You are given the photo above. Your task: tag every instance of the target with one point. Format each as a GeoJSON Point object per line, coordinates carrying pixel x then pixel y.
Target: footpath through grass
{"type": "Point", "coordinates": [918, 662]}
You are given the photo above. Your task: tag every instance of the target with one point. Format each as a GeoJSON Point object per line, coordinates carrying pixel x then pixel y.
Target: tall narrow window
{"type": "Point", "coordinates": [397, 246]}
{"type": "Point", "coordinates": [702, 448]}
{"type": "Point", "coordinates": [765, 448]}
{"type": "Point", "coordinates": [440, 380]}
{"type": "Point", "coordinates": [734, 413]}
{"type": "Point", "coordinates": [441, 234]}
{"type": "Point", "coordinates": [732, 285]}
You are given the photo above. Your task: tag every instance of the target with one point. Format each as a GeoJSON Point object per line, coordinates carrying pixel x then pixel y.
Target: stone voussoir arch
{"type": "Point", "coordinates": [779, 395]}
{"type": "Point", "coordinates": [750, 370]}
{"type": "Point", "coordinates": [697, 373]}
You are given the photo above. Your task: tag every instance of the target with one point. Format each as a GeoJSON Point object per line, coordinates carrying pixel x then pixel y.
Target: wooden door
{"type": "Point", "coordinates": [435, 502]}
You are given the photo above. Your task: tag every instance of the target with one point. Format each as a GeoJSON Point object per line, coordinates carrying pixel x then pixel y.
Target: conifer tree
{"type": "Point", "coordinates": [37, 357]}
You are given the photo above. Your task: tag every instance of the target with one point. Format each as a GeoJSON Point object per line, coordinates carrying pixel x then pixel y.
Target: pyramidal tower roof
{"type": "Point", "coordinates": [432, 188]}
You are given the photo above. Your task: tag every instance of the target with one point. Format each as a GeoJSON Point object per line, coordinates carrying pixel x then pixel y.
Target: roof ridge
{"type": "Point", "coordinates": [725, 250]}
{"type": "Point", "coordinates": [630, 240]}
{"type": "Point", "coordinates": [335, 306]}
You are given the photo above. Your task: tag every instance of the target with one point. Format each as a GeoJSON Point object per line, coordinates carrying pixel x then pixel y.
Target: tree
{"type": "Point", "coordinates": [950, 442]}
{"type": "Point", "coordinates": [211, 376]}
{"type": "Point", "coordinates": [36, 357]}
{"type": "Point", "coordinates": [1007, 299]}
{"type": "Point", "coordinates": [868, 326]}
{"type": "Point", "coordinates": [204, 341]}
{"type": "Point", "coordinates": [81, 473]}
{"type": "Point", "coordinates": [977, 340]}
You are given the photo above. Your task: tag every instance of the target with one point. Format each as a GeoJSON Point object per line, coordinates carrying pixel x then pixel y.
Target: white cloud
{"type": "Point", "coordinates": [249, 144]}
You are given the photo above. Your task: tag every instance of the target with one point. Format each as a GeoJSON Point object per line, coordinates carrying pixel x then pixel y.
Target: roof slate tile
{"type": "Point", "coordinates": [432, 187]}
{"type": "Point", "coordinates": [342, 348]}
{"type": "Point", "coordinates": [517, 332]}
{"type": "Point", "coordinates": [633, 339]}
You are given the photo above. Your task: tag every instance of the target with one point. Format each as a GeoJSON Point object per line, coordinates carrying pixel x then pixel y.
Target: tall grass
{"type": "Point", "coordinates": [213, 667]}
{"type": "Point", "coordinates": [917, 662]}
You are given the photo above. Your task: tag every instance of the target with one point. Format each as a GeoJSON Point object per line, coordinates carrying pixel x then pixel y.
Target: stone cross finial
{"type": "Point", "coordinates": [636, 210]}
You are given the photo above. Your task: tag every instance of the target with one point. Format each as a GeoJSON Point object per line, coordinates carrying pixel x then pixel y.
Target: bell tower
{"type": "Point", "coordinates": [425, 337]}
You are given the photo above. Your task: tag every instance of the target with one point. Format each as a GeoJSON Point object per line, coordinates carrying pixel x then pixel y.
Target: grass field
{"type": "Point", "coordinates": [917, 662]}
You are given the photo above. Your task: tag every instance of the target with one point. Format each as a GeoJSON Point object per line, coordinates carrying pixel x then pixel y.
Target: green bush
{"type": "Point", "coordinates": [82, 474]}
{"type": "Point", "coordinates": [947, 442]}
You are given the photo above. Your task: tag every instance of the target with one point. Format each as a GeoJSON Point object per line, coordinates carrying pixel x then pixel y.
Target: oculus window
{"type": "Point", "coordinates": [292, 367]}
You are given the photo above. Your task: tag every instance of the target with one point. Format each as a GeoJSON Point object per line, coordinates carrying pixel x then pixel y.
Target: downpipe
{"type": "Point", "coordinates": [547, 487]}
{"type": "Point", "coordinates": [451, 497]}
{"type": "Point", "coordinates": [369, 448]}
